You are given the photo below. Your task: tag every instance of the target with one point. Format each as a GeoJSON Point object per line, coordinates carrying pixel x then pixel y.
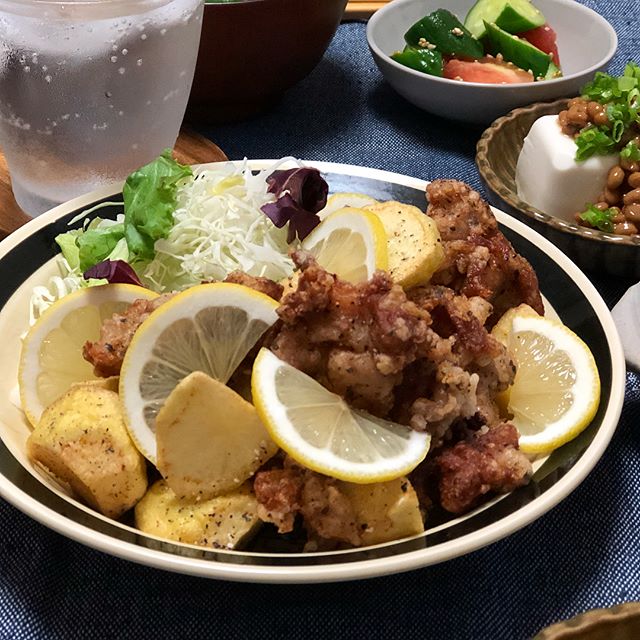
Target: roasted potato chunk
{"type": "Point", "coordinates": [413, 242]}
{"type": "Point", "coordinates": [81, 439]}
{"type": "Point", "coordinates": [384, 511]}
{"type": "Point", "coordinates": [210, 439]}
{"type": "Point", "coordinates": [220, 523]}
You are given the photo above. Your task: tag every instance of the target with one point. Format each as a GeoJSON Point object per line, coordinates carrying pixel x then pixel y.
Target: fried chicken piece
{"type": "Point", "coordinates": [279, 495]}
{"type": "Point", "coordinates": [263, 285]}
{"type": "Point", "coordinates": [327, 513]}
{"type": "Point", "coordinates": [450, 397]}
{"type": "Point", "coordinates": [479, 260]}
{"type": "Point", "coordinates": [355, 339]}
{"type": "Point", "coordinates": [486, 461]}
{"type": "Point", "coordinates": [465, 381]}
{"type": "Point", "coordinates": [107, 353]}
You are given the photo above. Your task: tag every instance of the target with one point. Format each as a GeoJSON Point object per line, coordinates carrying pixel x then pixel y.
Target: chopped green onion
{"type": "Point", "coordinates": [626, 83]}
{"type": "Point", "coordinates": [594, 141]}
{"type": "Point", "coordinates": [598, 219]}
{"type": "Point", "coordinates": [622, 99]}
{"type": "Point", "coordinates": [630, 152]}
{"type": "Point", "coordinates": [617, 130]}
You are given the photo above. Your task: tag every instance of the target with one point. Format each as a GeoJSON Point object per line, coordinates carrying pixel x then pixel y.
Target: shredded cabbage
{"type": "Point", "coordinates": [219, 227]}
{"type": "Point", "coordinates": [69, 280]}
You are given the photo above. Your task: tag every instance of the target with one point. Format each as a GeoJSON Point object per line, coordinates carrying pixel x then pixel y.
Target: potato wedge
{"type": "Point", "coordinates": [220, 523]}
{"type": "Point", "coordinates": [210, 440]}
{"type": "Point", "coordinates": [384, 511]}
{"type": "Point", "coordinates": [81, 439]}
{"type": "Point", "coordinates": [413, 242]}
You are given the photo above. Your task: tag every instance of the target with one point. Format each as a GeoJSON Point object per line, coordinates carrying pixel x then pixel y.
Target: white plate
{"type": "Point", "coordinates": [23, 262]}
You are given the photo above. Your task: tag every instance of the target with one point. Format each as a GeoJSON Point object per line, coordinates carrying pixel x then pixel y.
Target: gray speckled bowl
{"type": "Point", "coordinates": [575, 24]}
{"type": "Point", "coordinates": [496, 158]}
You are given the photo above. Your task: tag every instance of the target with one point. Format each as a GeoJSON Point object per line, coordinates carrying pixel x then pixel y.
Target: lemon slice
{"type": "Point", "coordinates": [51, 358]}
{"type": "Point", "coordinates": [556, 390]}
{"type": "Point", "coordinates": [319, 430]}
{"type": "Point", "coordinates": [340, 200]}
{"type": "Point", "coordinates": [351, 243]}
{"type": "Point", "coordinates": [208, 328]}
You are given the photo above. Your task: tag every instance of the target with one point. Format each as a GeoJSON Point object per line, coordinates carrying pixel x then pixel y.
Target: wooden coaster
{"type": "Point", "coordinates": [191, 148]}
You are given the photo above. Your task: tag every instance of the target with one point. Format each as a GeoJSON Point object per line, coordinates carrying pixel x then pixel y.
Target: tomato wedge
{"type": "Point", "coordinates": [545, 39]}
{"type": "Point", "coordinates": [485, 69]}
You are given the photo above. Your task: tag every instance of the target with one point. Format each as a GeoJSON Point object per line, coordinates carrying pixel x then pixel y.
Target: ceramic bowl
{"type": "Point", "coordinates": [27, 259]}
{"type": "Point", "coordinates": [252, 51]}
{"type": "Point", "coordinates": [497, 154]}
{"type": "Point", "coordinates": [621, 622]}
{"type": "Point", "coordinates": [480, 103]}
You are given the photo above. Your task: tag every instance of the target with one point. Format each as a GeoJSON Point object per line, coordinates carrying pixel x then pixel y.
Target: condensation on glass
{"type": "Point", "coordinates": [91, 90]}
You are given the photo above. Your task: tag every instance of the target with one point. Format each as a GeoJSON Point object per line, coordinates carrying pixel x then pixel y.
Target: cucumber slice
{"type": "Point", "coordinates": [514, 16]}
{"type": "Point", "coordinates": [442, 29]}
{"type": "Point", "coordinates": [514, 21]}
{"type": "Point", "coordinates": [426, 60]}
{"type": "Point", "coordinates": [516, 50]}
{"type": "Point", "coordinates": [553, 72]}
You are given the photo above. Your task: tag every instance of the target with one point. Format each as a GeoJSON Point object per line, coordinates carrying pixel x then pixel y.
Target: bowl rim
{"type": "Point", "coordinates": [604, 619]}
{"type": "Point", "coordinates": [370, 567]}
{"type": "Point", "coordinates": [495, 184]}
{"type": "Point", "coordinates": [380, 15]}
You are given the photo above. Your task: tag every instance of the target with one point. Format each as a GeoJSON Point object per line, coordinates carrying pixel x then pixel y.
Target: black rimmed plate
{"type": "Point", "coordinates": [26, 261]}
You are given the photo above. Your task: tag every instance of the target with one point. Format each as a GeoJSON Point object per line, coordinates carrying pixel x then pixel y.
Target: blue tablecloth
{"type": "Point", "coordinates": [585, 553]}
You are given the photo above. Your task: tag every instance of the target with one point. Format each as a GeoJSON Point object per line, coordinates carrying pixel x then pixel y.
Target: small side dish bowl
{"type": "Point", "coordinates": [252, 51]}
{"type": "Point", "coordinates": [621, 621]}
{"type": "Point", "coordinates": [497, 155]}
{"type": "Point", "coordinates": [586, 43]}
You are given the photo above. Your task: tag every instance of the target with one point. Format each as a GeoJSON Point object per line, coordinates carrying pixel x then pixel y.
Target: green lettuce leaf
{"type": "Point", "coordinates": [95, 245]}
{"type": "Point", "coordinates": [149, 202]}
{"type": "Point", "coordinates": [69, 248]}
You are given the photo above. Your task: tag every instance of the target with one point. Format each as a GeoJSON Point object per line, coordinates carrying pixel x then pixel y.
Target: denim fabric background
{"type": "Point", "coordinates": [585, 553]}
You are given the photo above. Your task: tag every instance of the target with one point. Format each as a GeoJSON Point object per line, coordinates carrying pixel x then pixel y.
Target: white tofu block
{"type": "Point", "coordinates": [550, 179]}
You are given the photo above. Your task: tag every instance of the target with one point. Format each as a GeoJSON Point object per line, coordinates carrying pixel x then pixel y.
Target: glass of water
{"type": "Point", "coordinates": [90, 90]}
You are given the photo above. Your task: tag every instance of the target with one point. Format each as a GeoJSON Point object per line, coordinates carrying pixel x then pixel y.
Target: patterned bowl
{"type": "Point", "coordinates": [621, 622]}
{"type": "Point", "coordinates": [497, 154]}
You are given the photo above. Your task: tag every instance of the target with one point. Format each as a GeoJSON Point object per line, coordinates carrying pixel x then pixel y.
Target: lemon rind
{"type": "Point", "coordinates": [198, 298]}
{"type": "Point", "coordinates": [585, 391]}
{"type": "Point", "coordinates": [52, 318]}
{"type": "Point", "coordinates": [358, 220]}
{"type": "Point", "coordinates": [273, 415]}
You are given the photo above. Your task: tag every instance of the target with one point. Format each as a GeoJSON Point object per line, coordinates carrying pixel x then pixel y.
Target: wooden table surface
{"type": "Point", "coordinates": [191, 148]}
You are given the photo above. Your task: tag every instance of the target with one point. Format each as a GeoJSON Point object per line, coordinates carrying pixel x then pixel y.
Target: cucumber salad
{"type": "Point", "coordinates": [500, 42]}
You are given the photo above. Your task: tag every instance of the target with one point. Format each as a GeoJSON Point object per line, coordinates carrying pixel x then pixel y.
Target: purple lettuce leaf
{"type": "Point", "coordinates": [114, 271]}
{"type": "Point", "coordinates": [301, 194]}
